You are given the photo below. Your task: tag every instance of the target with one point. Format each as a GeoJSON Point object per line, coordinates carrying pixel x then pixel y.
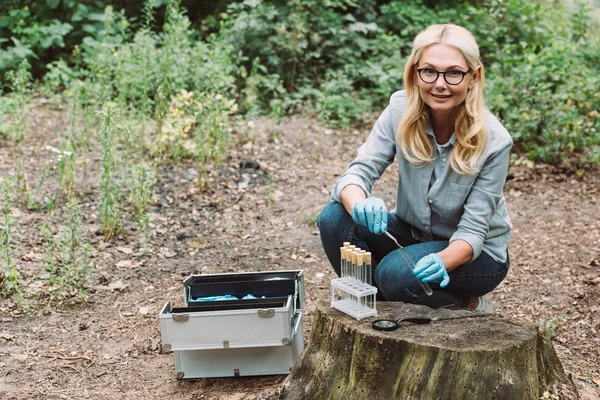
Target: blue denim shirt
{"type": "Point", "coordinates": [432, 198]}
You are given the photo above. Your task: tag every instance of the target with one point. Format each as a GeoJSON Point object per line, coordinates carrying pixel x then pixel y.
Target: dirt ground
{"type": "Point", "coordinates": [260, 216]}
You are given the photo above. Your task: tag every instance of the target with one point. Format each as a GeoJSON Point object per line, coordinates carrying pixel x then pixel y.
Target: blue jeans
{"type": "Point", "coordinates": [392, 274]}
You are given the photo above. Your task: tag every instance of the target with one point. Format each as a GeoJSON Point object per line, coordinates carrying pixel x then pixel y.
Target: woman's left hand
{"type": "Point", "coordinates": [431, 268]}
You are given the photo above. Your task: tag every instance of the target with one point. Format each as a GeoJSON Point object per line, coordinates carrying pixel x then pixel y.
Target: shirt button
{"type": "Point", "coordinates": [430, 201]}
{"type": "Point", "coordinates": [444, 159]}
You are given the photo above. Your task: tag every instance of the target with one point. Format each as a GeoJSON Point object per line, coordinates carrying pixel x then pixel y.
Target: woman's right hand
{"type": "Point", "coordinates": [371, 213]}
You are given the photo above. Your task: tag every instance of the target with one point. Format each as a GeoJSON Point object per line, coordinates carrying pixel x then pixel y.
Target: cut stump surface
{"type": "Point", "coordinates": [459, 355]}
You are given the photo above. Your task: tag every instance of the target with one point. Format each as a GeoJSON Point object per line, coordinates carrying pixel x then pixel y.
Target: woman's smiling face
{"type": "Point", "coordinates": [441, 97]}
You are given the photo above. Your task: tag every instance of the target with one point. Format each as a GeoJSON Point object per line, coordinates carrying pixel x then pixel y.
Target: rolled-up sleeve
{"type": "Point", "coordinates": [483, 199]}
{"type": "Point", "coordinates": [373, 157]}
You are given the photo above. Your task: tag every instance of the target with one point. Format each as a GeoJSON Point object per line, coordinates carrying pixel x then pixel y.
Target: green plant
{"type": "Point", "coordinates": [33, 199]}
{"type": "Point", "coordinates": [67, 167]}
{"type": "Point", "coordinates": [212, 129]}
{"type": "Point", "coordinates": [110, 201]}
{"type": "Point", "coordinates": [549, 326]}
{"type": "Point", "coordinates": [21, 99]}
{"type": "Point", "coordinates": [143, 179]}
{"type": "Point", "coordinates": [311, 220]}
{"type": "Point", "coordinates": [549, 396]}
{"type": "Point", "coordinates": [9, 276]}
{"type": "Point", "coordinates": [83, 119]}
{"type": "Point", "coordinates": [271, 187]}
{"type": "Point", "coordinates": [67, 259]}
{"type": "Point", "coordinates": [174, 56]}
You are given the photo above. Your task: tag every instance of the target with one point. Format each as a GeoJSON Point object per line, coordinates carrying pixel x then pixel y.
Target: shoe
{"type": "Point", "coordinates": [483, 306]}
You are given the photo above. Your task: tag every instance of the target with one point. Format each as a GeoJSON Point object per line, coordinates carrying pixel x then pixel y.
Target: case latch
{"type": "Point", "coordinates": [181, 317]}
{"type": "Point", "coordinates": [268, 313]}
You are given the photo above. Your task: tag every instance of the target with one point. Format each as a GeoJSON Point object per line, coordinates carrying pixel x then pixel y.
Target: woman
{"type": "Point", "coordinates": [450, 212]}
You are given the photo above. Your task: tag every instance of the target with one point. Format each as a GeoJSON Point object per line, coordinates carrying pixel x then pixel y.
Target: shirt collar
{"type": "Point", "coordinates": [451, 142]}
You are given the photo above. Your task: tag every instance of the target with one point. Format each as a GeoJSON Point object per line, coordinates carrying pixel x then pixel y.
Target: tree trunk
{"type": "Point", "coordinates": [483, 357]}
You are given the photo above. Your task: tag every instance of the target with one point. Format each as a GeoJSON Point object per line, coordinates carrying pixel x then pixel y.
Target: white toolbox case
{"type": "Point", "coordinates": [260, 335]}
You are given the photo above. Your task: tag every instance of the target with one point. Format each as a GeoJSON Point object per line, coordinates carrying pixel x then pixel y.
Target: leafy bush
{"type": "Point", "coordinates": [45, 31]}
{"type": "Point", "coordinates": [337, 59]}
{"type": "Point", "coordinates": [545, 89]}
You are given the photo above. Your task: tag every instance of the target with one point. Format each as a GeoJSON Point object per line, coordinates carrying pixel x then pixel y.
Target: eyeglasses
{"type": "Point", "coordinates": [430, 75]}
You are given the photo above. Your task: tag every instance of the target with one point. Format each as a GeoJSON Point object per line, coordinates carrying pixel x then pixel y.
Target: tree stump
{"type": "Point", "coordinates": [472, 357]}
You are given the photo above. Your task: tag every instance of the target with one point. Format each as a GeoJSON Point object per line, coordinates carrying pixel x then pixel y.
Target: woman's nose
{"type": "Point", "coordinates": [440, 81]}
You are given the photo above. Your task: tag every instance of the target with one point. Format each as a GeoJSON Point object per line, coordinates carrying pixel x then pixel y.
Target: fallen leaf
{"type": "Point", "coordinates": [168, 253]}
{"type": "Point", "coordinates": [125, 250]}
{"type": "Point", "coordinates": [199, 244]}
{"type": "Point", "coordinates": [143, 310]}
{"type": "Point", "coordinates": [31, 257]}
{"type": "Point", "coordinates": [154, 344]}
{"type": "Point", "coordinates": [596, 380]}
{"type": "Point", "coordinates": [319, 275]}
{"type": "Point", "coordinates": [125, 264]}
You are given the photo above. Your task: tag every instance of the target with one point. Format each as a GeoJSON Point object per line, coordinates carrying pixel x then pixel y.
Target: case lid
{"type": "Point", "coordinates": [259, 285]}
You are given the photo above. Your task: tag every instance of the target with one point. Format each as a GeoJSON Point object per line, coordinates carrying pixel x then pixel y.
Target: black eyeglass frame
{"type": "Point", "coordinates": [444, 74]}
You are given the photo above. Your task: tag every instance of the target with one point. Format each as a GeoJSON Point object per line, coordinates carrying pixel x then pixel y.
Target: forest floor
{"type": "Point", "coordinates": [259, 214]}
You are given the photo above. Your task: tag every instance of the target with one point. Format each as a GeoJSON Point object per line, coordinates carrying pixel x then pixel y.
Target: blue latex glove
{"type": "Point", "coordinates": [372, 214]}
{"type": "Point", "coordinates": [431, 268]}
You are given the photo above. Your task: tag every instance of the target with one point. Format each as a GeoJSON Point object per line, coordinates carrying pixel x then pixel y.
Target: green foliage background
{"type": "Point", "coordinates": [337, 59]}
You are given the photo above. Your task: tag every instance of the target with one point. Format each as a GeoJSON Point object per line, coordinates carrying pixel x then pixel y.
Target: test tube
{"type": "Point", "coordinates": [354, 263]}
{"type": "Point", "coordinates": [360, 264]}
{"type": "Point", "coordinates": [355, 266]}
{"type": "Point", "coordinates": [363, 277]}
{"type": "Point", "coordinates": [342, 262]}
{"type": "Point", "coordinates": [348, 254]}
{"type": "Point", "coordinates": [368, 272]}
{"type": "Point", "coordinates": [424, 285]}
{"type": "Point", "coordinates": [410, 263]}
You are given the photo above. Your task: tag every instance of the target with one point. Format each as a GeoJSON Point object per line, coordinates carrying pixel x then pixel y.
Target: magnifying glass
{"type": "Point", "coordinates": [393, 324]}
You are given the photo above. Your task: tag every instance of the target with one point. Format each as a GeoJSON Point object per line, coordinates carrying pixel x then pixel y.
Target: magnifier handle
{"type": "Point", "coordinates": [415, 320]}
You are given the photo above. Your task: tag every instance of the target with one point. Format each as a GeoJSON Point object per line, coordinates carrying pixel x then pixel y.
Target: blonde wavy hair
{"type": "Point", "coordinates": [468, 118]}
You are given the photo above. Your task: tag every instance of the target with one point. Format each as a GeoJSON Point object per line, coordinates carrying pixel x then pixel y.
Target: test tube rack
{"type": "Point", "coordinates": [352, 292]}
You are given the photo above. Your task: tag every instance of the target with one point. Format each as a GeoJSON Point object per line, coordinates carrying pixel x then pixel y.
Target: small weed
{"type": "Point", "coordinates": [67, 259]}
{"type": "Point", "coordinates": [21, 100]}
{"type": "Point", "coordinates": [212, 129]}
{"type": "Point", "coordinates": [143, 179]}
{"type": "Point", "coordinates": [50, 203]}
{"type": "Point", "coordinates": [549, 326]}
{"type": "Point", "coordinates": [271, 187]}
{"type": "Point", "coordinates": [273, 136]}
{"type": "Point", "coordinates": [9, 276]}
{"type": "Point", "coordinates": [33, 199]}
{"type": "Point", "coordinates": [549, 396]}
{"type": "Point", "coordinates": [110, 209]}
{"type": "Point", "coordinates": [311, 220]}
{"type": "Point", "coordinates": [67, 167]}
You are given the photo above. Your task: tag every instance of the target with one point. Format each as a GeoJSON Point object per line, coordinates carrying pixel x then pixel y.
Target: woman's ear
{"type": "Point", "coordinates": [474, 77]}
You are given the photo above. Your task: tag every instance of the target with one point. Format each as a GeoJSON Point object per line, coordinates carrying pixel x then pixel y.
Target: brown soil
{"type": "Point", "coordinates": [263, 219]}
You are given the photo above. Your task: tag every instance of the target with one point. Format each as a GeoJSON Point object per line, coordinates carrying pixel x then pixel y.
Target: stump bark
{"type": "Point", "coordinates": [465, 358]}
